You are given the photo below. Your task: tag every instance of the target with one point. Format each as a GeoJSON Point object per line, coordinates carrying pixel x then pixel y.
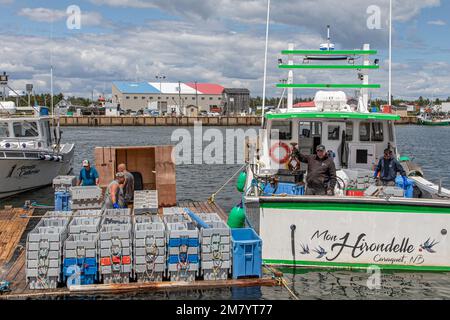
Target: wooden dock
{"type": "Point", "coordinates": [13, 223]}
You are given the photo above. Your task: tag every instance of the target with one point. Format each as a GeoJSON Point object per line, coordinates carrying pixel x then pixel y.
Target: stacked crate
{"type": "Point", "coordinates": [215, 249]}
{"type": "Point", "coordinates": [88, 213]}
{"type": "Point", "coordinates": [63, 183]}
{"type": "Point", "coordinates": [183, 247]}
{"type": "Point", "coordinates": [173, 210]}
{"type": "Point", "coordinates": [86, 197]}
{"type": "Point", "coordinates": [43, 253]}
{"type": "Point", "coordinates": [149, 248]}
{"type": "Point", "coordinates": [146, 202]}
{"type": "Point", "coordinates": [115, 249]}
{"type": "Point", "coordinates": [81, 252]}
{"type": "Point", "coordinates": [117, 212]}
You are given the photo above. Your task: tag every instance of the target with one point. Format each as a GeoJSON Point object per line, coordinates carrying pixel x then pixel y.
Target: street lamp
{"type": "Point", "coordinates": [160, 77]}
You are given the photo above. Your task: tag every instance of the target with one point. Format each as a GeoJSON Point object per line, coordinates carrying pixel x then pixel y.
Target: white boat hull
{"type": "Point", "coordinates": [20, 175]}
{"type": "Point", "coordinates": [354, 235]}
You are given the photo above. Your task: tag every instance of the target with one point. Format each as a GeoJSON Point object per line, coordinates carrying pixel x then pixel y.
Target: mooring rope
{"type": "Point", "coordinates": [212, 198]}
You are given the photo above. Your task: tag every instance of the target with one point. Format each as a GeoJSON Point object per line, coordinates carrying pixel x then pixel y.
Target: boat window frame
{"type": "Point", "coordinates": [362, 124]}
{"type": "Point", "coordinates": [35, 129]}
{"type": "Point", "coordinates": [334, 137]}
{"type": "Point", "coordinates": [280, 137]}
{"type": "Point", "coordinates": [5, 124]}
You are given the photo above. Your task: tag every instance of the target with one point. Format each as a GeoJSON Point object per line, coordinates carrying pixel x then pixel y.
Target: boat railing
{"type": "Point", "coordinates": [23, 144]}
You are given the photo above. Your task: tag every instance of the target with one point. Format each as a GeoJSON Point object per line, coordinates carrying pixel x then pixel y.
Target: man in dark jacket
{"type": "Point", "coordinates": [321, 175]}
{"type": "Point", "coordinates": [388, 167]}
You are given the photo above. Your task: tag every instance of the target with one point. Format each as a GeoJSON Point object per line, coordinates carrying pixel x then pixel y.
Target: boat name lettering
{"type": "Point", "coordinates": [27, 170]}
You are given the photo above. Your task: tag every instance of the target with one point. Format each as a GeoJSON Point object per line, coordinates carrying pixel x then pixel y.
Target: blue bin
{"type": "Point", "coordinates": [190, 242]}
{"type": "Point", "coordinates": [191, 258]}
{"type": "Point", "coordinates": [284, 188]}
{"type": "Point", "coordinates": [43, 111]}
{"type": "Point", "coordinates": [374, 109]}
{"type": "Point", "coordinates": [247, 253]}
{"type": "Point", "coordinates": [409, 189]}
{"type": "Point", "coordinates": [62, 201]}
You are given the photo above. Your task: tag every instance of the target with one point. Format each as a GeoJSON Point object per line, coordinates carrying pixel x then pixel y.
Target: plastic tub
{"type": "Point", "coordinates": [247, 253]}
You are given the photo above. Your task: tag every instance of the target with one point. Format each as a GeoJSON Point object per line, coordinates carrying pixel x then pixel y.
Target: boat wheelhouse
{"type": "Point", "coordinates": [29, 156]}
{"type": "Point", "coordinates": [362, 225]}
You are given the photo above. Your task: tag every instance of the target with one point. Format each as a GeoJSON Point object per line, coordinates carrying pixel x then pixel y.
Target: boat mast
{"type": "Point", "coordinates": [390, 52]}
{"type": "Point", "coordinates": [265, 61]}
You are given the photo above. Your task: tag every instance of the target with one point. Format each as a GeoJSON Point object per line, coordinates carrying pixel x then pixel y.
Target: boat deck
{"type": "Point", "coordinates": [12, 263]}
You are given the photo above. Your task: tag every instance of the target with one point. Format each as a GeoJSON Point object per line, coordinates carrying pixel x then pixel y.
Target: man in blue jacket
{"type": "Point", "coordinates": [88, 175]}
{"type": "Point", "coordinates": [388, 167]}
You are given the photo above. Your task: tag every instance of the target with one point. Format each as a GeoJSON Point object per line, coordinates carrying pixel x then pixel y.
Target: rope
{"type": "Point", "coordinates": [212, 198]}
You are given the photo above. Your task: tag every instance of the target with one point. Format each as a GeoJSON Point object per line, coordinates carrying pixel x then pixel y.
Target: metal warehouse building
{"type": "Point", "coordinates": [168, 98]}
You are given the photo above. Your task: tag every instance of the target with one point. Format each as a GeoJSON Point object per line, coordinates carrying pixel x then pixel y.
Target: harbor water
{"type": "Point", "coordinates": [429, 147]}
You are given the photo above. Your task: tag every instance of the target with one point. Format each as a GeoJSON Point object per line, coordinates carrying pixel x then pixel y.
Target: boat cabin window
{"type": "Point", "coordinates": [25, 129]}
{"type": "Point", "coordinates": [45, 128]}
{"type": "Point", "coordinates": [349, 131]}
{"type": "Point", "coordinates": [364, 131]}
{"type": "Point", "coordinates": [377, 132]}
{"type": "Point", "coordinates": [309, 135]}
{"type": "Point", "coordinates": [333, 132]}
{"type": "Point", "coordinates": [4, 130]}
{"type": "Point", "coordinates": [281, 128]}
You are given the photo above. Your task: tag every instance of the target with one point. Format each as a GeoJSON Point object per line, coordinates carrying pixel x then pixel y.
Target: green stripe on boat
{"type": "Point", "coordinates": [330, 52]}
{"type": "Point", "coordinates": [344, 265]}
{"type": "Point", "coordinates": [334, 115]}
{"type": "Point", "coordinates": [353, 207]}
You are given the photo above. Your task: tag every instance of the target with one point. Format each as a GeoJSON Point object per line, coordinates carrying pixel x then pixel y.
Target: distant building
{"type": "Point", "coordinates": [167, 98]}
{"type": "Point", "coordinates": [235, 101]}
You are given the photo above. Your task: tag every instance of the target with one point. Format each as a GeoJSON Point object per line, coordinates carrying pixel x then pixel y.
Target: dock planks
{"type": "Point", "coordinates": [15, 270]}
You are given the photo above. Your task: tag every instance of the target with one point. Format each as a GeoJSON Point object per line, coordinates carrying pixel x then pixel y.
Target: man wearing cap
{"type": "Point", "coordinates": [321, 175]}
{"type": "Point", "coordinates": [114, 198]}
{"type": "Point", "coordinates": [388, 167]}
{"type": "Point", "coordinates": [88, 175]}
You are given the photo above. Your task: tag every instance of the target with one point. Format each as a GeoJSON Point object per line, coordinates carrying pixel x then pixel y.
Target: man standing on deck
{"type": "Point", "coordinates": [88, 175]}
{"type": "Point", "coordinates": [128, 188]}
{"type": "Point", "coordinates": [114, 198]}
{"type": "Point", "coordinates": [321, 175]}
{"type": "Point", "coordinates": [388, 167]}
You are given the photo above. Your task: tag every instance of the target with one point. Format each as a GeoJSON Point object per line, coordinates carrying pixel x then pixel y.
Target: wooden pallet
{"type": "Point", "coordinates": [12, 225]}
{"type": "Point", "coordinates": [15, 272]}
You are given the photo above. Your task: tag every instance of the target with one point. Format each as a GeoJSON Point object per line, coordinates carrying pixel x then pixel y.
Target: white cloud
{"type": "Point", "coordinates": [437, 22]}
{"type": "Point", "coordinates": [49, 15]}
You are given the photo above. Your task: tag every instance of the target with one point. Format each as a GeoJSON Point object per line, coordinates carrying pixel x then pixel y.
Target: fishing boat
{"type": "Point", "coordinates": [362, 225]}
{"type": "Point", "coordinates": [30, 157]}
{"type": "Point", "coordinates": [434, 119]}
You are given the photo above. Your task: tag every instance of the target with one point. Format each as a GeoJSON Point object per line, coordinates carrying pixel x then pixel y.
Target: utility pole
{"type": "Point", "coordinates": [160, 77]}
{"type": "Point", "coordinates": [179, 96]}
{"type": "Point", "coordinates": [196, 95]}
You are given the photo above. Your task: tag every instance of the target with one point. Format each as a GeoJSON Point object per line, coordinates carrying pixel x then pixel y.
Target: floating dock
{"type": "Point", "coordinates": [13, 227]}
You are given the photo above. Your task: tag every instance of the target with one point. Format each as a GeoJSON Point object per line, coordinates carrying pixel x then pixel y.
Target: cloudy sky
{"type": "Point", "coordinates": [220, 41]}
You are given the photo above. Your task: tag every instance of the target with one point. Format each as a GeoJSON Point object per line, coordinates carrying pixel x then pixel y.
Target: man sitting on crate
{"type": "Point", "coordinates": [88, 175]}
{"type": "Point", "coordinates": [114, 198]}
{"type": "Point", "coordinates": [128, 188]}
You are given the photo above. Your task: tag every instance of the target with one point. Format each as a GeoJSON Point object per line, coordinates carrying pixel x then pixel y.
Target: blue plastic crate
{"type": "Point", "coordinates": [247, 253]}
{"type": "Point", "coordinates": [62, 201]}
{"type": "Point", "coordinates": [284, 188]}
{"type": "Point", "coordinates": [80, 261]}
{"type": "Point", "coordinates": [191, 258]}
{"type": "Point", "coordinates": [409, 190]}
{"type": "Point", "coordinates": [83, 280]}
{"type": "Point", "coordinates": [190, 242]}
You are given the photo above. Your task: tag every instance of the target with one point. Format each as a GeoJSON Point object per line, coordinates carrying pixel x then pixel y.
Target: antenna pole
{"type": "Point", "coordinates": [390, 52]}
{"type": "Point", "coordinates": [328, 37]}
{"type": "Point", "coordinates": [265, 60]}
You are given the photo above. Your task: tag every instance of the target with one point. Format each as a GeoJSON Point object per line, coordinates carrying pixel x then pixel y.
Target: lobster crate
{"type": "Point", "coordinates": [176, 218]}
{"type": "Point", "coordinates": [183, 245]}
{"type": "Point", "coordinates": [209, 217]}
{"type": "Point", "coordinates": [58, 214]}
{"type": "Point", "coordinates": [115, 249]}
{"type": "Point", "coordinates": [63, 183]}
{"type": "Point", "coordinates": [117, 212]}
{"type": "Point", "coordinates": [149, 247]}
{"type": "Point", "coordinates": [146, 202]}
{"type": "Point", "coordinates": [173, 210]}
{"type": "Point", "coordinates": [215, 251]}
{"type": "Point", "coordinates": [80, 265]}
{"type": "Point", "coordinates": [86, 197]}
{"type": "Point", "coordinates": [43, 253]}
{"type": "Point", "coordinates": [84, 225]}
{"type": "Point", "coordinates": [88, 213]}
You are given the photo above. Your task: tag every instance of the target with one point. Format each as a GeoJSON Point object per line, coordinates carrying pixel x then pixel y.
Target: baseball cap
{"type": "Point", "coordinates": [120, 175]}
{"type": "Point", "coordinates": [86, 163]}
{"type": "Point", "coordinates": [320, 147]}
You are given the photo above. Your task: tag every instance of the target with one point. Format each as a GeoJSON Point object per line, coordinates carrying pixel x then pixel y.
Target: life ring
{"type": "Point", "coordinates": [285, 147]}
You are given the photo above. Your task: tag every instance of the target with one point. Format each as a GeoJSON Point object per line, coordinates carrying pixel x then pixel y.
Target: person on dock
{"type": "Point", "coordinates": [321, 174]}
{"type": "Point", "coordinates": [114, 197]}
{"type": "Point", "coordinates": [388, 167]}
{"type": "Point", "coordinates": [88, 175]}
{"type": "Point", "coordinates": [128, 188]}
